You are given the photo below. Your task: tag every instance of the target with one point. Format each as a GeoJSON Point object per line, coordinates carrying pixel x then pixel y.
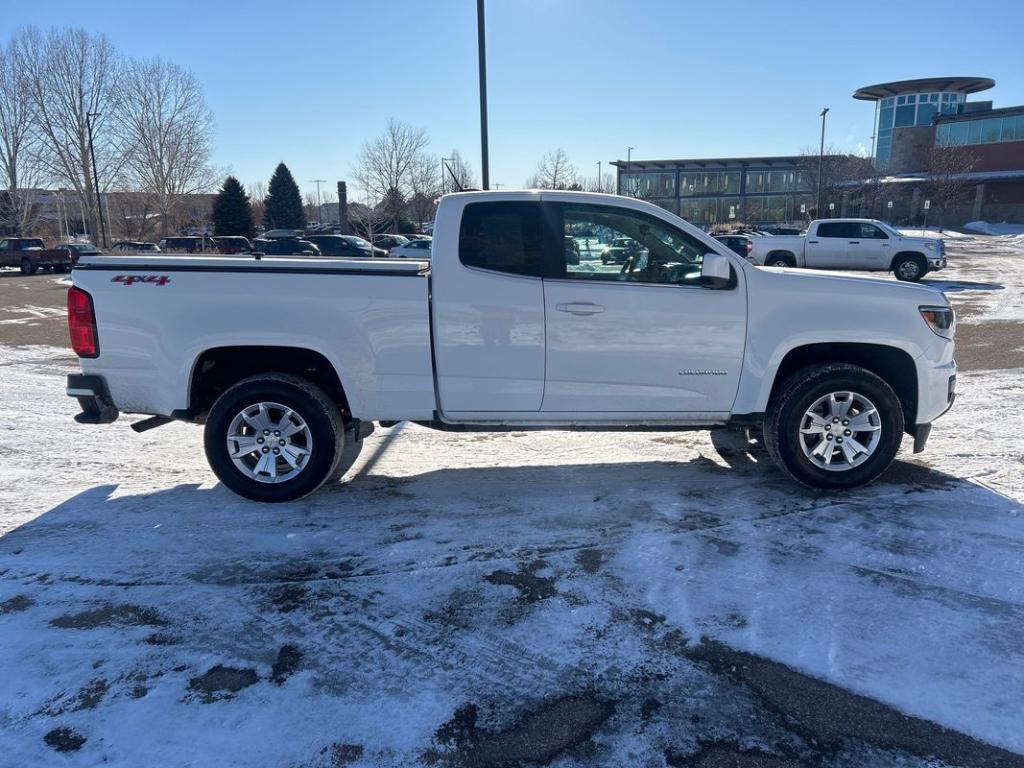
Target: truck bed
{"type": "Point", "coordinates": [158, 315]}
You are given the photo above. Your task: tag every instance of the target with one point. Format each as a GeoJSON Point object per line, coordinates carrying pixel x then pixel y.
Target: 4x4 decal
{"type": "Point", "coordinates": [151, 279]}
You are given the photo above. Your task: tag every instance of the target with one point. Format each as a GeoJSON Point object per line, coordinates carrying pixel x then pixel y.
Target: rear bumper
{"type": "Point", "coordinates": [93, 398]}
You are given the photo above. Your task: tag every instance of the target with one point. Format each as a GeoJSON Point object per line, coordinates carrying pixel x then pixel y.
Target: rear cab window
{"type": "Point", "coordinates": [503, 237]}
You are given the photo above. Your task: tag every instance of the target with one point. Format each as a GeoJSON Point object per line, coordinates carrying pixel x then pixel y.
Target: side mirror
{"type": "Point", "coordinates": [715, 270]}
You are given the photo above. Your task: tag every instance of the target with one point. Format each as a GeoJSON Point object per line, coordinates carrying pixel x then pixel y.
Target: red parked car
{"type": "Point", "coordinates": [233, 244]}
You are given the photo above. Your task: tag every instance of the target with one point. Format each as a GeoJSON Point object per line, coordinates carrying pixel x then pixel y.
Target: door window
{"type": "Point", "coordinates": [502, 237]}
{"type": "Point", "coordinates": [871, 232]}
{"type": "Point", "coordinates": [617, 245]}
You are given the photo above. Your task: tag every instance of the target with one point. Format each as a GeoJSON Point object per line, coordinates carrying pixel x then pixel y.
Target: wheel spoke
{"type": "Point", "coordinates": [244, 445]}
{"type": "Point", "coordinates": [862, 422]}
{"type": "Point", "coordinates": [848, 452]}
{"type": "Point", "coordinates": [855, 445]}
{"type": "Point", "coordinates": [261, 465]}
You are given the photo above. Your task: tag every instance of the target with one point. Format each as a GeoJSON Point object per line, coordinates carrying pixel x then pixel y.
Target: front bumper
{"type": "Point", "coordinates": [937, 392]}
{"type": "Point", "coordinates": [93, 398]}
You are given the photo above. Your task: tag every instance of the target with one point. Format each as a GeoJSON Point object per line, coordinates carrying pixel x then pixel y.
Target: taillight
{"type": "Point", "coordinates": [82, 324]}
{"type": "Point", "coordinates": [750, 247]}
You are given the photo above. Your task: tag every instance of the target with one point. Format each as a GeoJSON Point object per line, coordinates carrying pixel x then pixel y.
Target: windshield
{"type": "Point", "coordinates": [357, 241]}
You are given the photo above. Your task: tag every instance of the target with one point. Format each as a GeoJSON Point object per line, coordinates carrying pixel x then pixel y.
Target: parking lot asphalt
{"type": "Point", "coordinates": [513, 599]}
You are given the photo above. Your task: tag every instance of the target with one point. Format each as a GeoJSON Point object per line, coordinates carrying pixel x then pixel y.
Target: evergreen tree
{"type": "Point", "coordinates": [283, 202]}
{"type": "Point", "coordinates": [232, 214]}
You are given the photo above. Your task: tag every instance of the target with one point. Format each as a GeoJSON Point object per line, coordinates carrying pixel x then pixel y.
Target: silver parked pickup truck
{"type": "Point", "coordinates": [852, 244]}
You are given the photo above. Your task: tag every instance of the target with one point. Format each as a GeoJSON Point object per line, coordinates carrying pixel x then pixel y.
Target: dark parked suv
{"type": "Point", "coordinates": [345, 245]}
{"type": "Point", "coordinates": [285, 246]}
{"type": "Point", "coordinates": [188, 245]}
{"type": "Point", "coordinates": [231, 244]}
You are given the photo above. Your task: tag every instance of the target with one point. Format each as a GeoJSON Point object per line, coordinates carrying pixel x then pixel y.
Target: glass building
{"type": "Point", "coordinates": [914, 104]}
{"type": "Point", "coordinates": [713, 191]}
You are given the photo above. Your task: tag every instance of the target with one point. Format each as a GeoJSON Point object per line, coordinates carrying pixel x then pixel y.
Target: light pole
{"type": "Point", "coordinates": [319, 205]}
{"type": "Point", "coordinates": [95, 179]}
{"type": "Point", "coordinates": [599, 176]}
{"type": "Point", "coordinates": [629, 162]}
{"type": "Point", "coordinates": [482, 56]}
{"type": "Point", "coordinates": [821, 157]}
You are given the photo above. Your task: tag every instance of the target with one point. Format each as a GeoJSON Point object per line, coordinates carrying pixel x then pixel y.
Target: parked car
{"type": "Point", "coordinates": [414, 249]}
{"type": "Point", "coordinates": [78, 250]}
{"type": "Point", "coordinates": [499, 332]}
{"type": "Point", "coordinates": [133, 246]}
{"type": "Point", "coordinates": [853, 244]}
{"type": "Point", "coordinates": [31, 253]}
{"type": "Point", "coordinates": [188, 245]}
{"type": "Point", "coordinates": [285, 246]}
{"type": "Point", "coordinates": [348, 246]}
{"type": "Point", "coordinates": [740, 244]}
{"type": "Point", "coordinates": [620, 250]}
{"type": "Point", "coordinates": [417, 237]}
{"type": "Point", "coordinates": [274, 234]}
{"type": "Point", "coordinates": [387, 242]}
{"type": "Point", "coordinates": [229, 244]}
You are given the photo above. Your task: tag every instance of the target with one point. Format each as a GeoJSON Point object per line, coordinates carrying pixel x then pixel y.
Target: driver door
{"type": "Point", "coordinates": [642, 337]}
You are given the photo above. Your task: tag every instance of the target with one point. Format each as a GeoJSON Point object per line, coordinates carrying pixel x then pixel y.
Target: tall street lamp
{"type": "Point", "coordinates": [629, 160]}
{"type": "Point", "coordinates": [95, 179]}
{"type": "Point", "coordinates": [821, 157]}
{"type": "Point", "coordinates": [599, 176]}
{"type": "Point", "coordinates": [482, 56]}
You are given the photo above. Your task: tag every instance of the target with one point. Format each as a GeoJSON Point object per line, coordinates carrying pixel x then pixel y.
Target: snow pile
{"type": "Point", "coordinates": [987, 228]}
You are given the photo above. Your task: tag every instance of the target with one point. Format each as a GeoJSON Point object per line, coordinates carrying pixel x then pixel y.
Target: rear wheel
{"type": "Point", "coordinates": [834, 426]}
{"type": "Point", "coordinates": [274, 437]}
{"type": "Point", "coordinates": [27, 266]}
{"type": "Point", "coordinates": [910, 268]}
{"type": "Point", "coordinates": [780, 260]}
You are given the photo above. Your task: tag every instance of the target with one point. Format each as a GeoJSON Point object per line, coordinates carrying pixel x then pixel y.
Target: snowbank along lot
{"type": "Point", "coordinates": [484, 600]}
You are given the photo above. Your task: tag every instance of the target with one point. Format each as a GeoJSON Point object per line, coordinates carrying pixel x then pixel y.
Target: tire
{"type": "Point", "coordinates": [316, 447]}
{"type": "Point", "coordinates": [27, 267]}
{"type": "Point", "coordinates": [788, 417]}
{"type": "Point", "coordinates": [779, 260]}
{"type": "Point", "coordinates": [909, 268]}
{"type": "Point", "coordinates": [604, 260]}
{"type": "Point", "coordinates": [350, 450]}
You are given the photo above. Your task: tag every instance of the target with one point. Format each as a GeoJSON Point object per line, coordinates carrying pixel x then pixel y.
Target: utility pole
{"type": "Point", "coordinates": [482, 54]}
{"type": "Point", "coordinates": [95, 178]}
{"type": "Point", "coordinates": [821, 157]}
{"type": "Point", "coordinates": [319, 205]}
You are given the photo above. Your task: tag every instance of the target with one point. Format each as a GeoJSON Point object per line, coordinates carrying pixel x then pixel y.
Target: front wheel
{"type": "Point", "coordinates": [834, 426]}
{"type": "Point", "coordinates": [27, 266]}
{"type": "Point", "coordinates": [274, 437]}
{"type": "Point", "coordinates": [909, 268]}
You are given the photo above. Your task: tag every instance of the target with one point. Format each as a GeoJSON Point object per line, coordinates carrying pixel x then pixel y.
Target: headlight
{"type": "Point", "coordinates": [933, 246]}
{"type": "Point", "coordinates": [940, 319]}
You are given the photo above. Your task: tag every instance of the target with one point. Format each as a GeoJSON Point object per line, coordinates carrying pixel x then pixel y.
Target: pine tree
{"type": "Point", "coordinates": [283, 202]}
{"type": "Point", "coordinates": [232, 214]}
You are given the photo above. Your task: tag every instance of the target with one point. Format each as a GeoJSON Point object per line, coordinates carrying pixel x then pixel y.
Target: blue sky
{"type": "Point", "coordinates": [308, 82]}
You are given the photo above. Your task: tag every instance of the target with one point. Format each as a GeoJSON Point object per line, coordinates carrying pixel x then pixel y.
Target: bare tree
{"type": "Point", "coordinates": [167, 133]}
{"type": "Point", "coordinates": [605, 184]}
{"type": "Point", "coordinates": [257, 197]}
{"type": "Point", "coordinates": [19, 144]}
{"type": "Point", "coordinates": [458, 173]}
{"type": "Point", "coordinates": [72, 74]}
{"type": "Point", "coordinates": [423, 182]}
{"type": "Point", "coordinates": [840, 173]}
{"type": "Point", "coordinates": [384, 168]}
{"type": "Point", "coordinates": [948, 180]}
{"type": "Point", "coordinates": [554, 172]}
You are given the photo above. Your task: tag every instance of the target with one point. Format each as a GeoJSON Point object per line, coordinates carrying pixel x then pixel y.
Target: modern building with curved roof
{"type": "Point", "coordinates": [915, 104]}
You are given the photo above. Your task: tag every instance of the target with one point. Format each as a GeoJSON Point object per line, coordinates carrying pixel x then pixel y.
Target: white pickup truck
{"type": "Point", "coordinates": [852, 244]}
{"type": "Point", "coordinates": [289, 361]}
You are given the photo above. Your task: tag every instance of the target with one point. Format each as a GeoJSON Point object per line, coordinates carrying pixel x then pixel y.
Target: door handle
{"type": "Point", "coordinates": [855, 242]}
{"type": "Point", "coordinates": [580, 308]}
{"type": "Point", "coordinates": [813, 242]}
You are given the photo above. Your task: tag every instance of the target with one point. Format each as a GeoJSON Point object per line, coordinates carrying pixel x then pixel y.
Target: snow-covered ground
{"type": "Point", "coordinates": [586, 599]}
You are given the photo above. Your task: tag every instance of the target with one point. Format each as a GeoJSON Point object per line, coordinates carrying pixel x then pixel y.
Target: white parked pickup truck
{"type": "Point", "coordinates": [288, 362]}
{"type": "Point", "coordinates": [852, 244]}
